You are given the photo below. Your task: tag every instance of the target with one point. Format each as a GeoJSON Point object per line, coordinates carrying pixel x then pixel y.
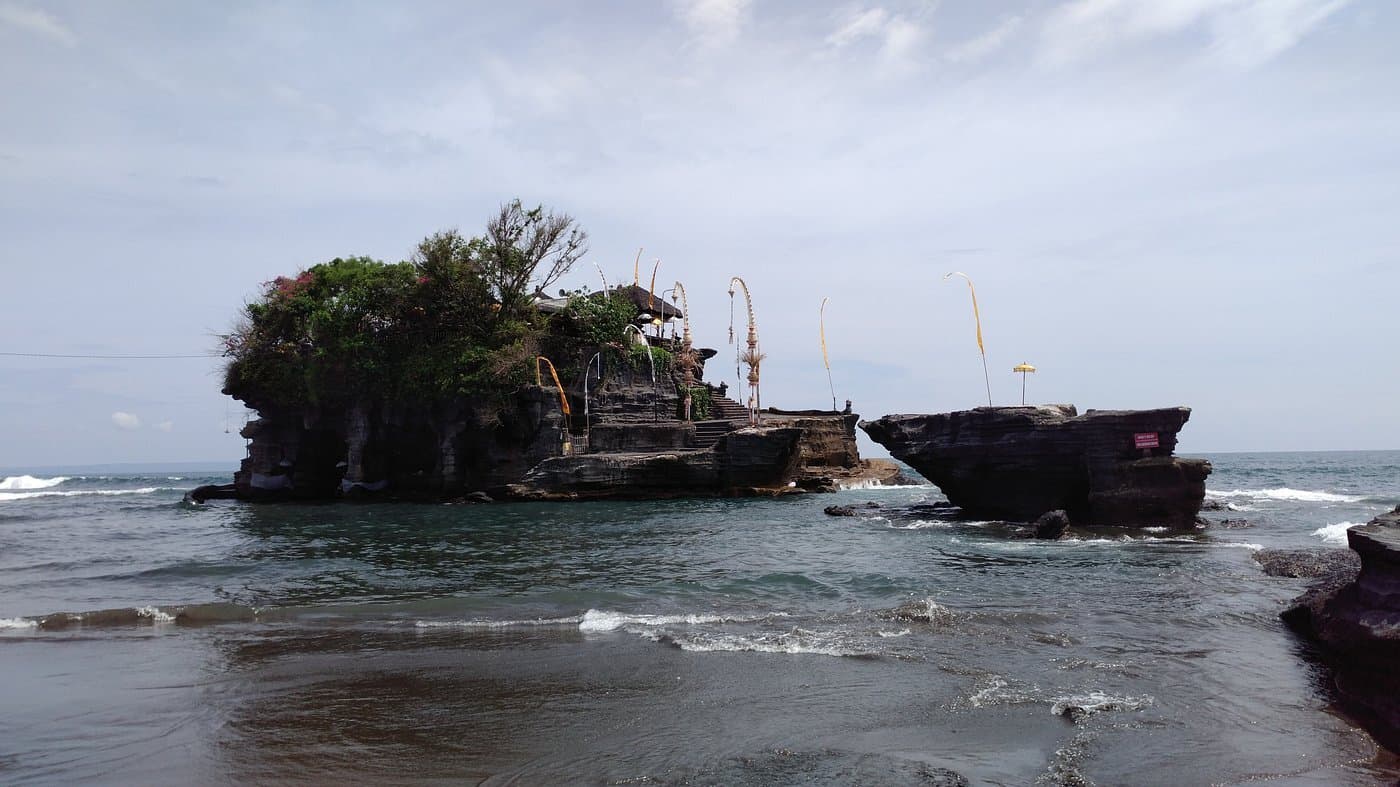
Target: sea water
{"type": "Point", "coordinates": [148, 641]}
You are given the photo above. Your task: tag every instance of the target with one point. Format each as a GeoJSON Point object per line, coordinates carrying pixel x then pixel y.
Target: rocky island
{"type": "Point", "coordinates": [1105, 467]}
{"type": "Point", "coordinates": [452, 375]}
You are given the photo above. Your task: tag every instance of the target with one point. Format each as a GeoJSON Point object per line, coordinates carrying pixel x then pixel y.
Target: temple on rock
{"type": "Point", "coordinates": [618, 408]}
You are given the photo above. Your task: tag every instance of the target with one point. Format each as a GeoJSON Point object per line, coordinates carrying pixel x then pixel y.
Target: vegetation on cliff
{"type": "Point", "coordinates": [456, 318]}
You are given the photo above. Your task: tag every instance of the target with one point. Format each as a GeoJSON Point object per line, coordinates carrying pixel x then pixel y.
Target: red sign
{"type": "Point", "coordinates": [1145, 440]}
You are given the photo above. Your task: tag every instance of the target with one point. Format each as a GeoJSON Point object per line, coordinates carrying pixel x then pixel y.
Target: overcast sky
{"type": "Point", "coordinates": [1161, 202]}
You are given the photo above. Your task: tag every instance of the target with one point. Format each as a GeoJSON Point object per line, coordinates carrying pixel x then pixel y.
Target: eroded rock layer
{"type": "Point", "coordinates": [1355, 617]}
{"type": "Point", "coordinates": [1105, 467]}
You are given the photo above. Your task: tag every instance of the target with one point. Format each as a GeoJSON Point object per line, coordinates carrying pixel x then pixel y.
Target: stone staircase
{"type": "Point", "coordinates": [726, 415]}
{"type": "Point", "coordinates": [707, 433]}
{"type": "Point", "coordinates": [726, 409]}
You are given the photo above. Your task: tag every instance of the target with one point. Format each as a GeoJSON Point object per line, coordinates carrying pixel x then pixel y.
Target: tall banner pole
{"type": "Point", "coordinates": [976, 316]}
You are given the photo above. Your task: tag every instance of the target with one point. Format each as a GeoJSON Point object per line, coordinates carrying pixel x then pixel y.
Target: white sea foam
{"type": "Point", "coordinates": [498, 624]}
{"type": "Point", "coordinates": [1155, 529]}
{"type": "Point", "coordinates": [18, 623]}
{"type": "Point", "coordinates": [998, 691]}
{"type": "Point", "coordinates": [603, 620]}
{"type": "Point", "coordinates": [1285, 493]}
{"type": "Point", "coordinates": [30, 482]}
{"type": "Point", "coordinates": [1335, 534]}
{"type": "Point", "coordinates": [795, 642]}
{"type": "Point", "coordinates": [1078, 706]}
{"type": "Point", "coordinates": [870, 483]}
{"type": "Point", "coordinates": [145, 490]}
{"type": "Point", "coordinates": [893, 634]}
{"type": "Point", "coordinates": [919, 524]}
{"type": "Point", "coordinates": [155, 614]}
{"type": "Point", "coordinates": [1238, 545]}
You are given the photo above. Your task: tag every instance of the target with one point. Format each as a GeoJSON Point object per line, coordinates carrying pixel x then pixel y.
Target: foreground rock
{"type": "Point", "coordinates": [1016, 463]}
{"type": "Point", "coordinates": [1355, 617]}
{"type": "Point", "coordinates": [1308, 563]}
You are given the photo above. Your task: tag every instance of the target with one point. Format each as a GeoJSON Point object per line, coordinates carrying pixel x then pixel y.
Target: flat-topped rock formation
{"type": "Point", "coordinates": [1105, 467]}
{"type": "Point", "coordinates": [1355, 617]}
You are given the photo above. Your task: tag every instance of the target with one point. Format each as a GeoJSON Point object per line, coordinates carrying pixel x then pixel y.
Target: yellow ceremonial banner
{"type": "Point", "coordinates": [822, 328]}
{"type": "Point", "coordinates": [563, 400]}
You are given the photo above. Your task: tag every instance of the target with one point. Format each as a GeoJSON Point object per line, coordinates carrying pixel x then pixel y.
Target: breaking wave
{"type": "Point", "coordinates": [145, 490]}
{"type": "Point", "coordinates": [498, 624]}
{"type": "Point", "coordinates": [1335, 534]}
{"type": "Point", "coordinates": [30, 482]}
{"type": "Point", "coordinates": [794, 642]}
{"type": "Point", "coordinates": [598, 620]}
{"type": "Point", "coordinates": [1294, 495]}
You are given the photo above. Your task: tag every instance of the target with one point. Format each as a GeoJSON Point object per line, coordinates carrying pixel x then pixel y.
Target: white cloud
{"type": "Point", "coordinates": [35, 21]}
{"type": "Point", "coordinates": [898, 36]}
{"type": "Point", "coordinates": [714, 23]}
{"type": "Point", "coordinates": [165, 426]}
{"type": "Point", "coordinates": [975, 49]}
{"type": "Point", "coordinates": [1243, 32]}
{"type": "Point", "coordinates": [126, 420]}
{"type": "Point", "coordinates": [858, 25]}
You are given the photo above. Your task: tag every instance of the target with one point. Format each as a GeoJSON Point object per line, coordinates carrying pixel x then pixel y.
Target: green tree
{"type": "Point", "coordinates": [526, 251]}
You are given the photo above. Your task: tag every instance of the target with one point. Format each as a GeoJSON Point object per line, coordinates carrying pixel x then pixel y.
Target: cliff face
{"type": "Point", "coordinates": [1016, 463]}
{"type": "Point", "coordinates": [459, 446]}
{"type": "Point", "coordinates": [1355, 617]}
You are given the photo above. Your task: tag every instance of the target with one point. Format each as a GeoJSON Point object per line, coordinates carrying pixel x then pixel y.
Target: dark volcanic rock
{"type": "Point", "coordinates": [1211, 504]}
{"type": "Point", "coordinates": [1355, 618]}
{"type": "Point", "coordinates": [1014, 463]}
{"type": "Point", "coordinates": [1052, 525]}
{"type": "Point", "coordinates": [745, 461]}
{"type": "Point", "coordinates": [839, 511]}
{"type": "Point", "coordinates": [212, 492]}
{"type": "Point", "coordinates": [1307, 563]}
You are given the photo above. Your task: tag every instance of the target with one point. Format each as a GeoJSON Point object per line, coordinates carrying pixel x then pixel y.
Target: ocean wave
{"type": "Point", "coordinates": [601, 620]}
{"type": "Point", "coordinates": [1335, 534]}
{"type": "Point", "coordinates": [998, 691]}
{"type": "Point", "coordinates": [17, 623]}
{"type": "Point", "coordinates": [498, 624]}
{"type": "Point", "coordinates": [186, 615]}
{"type": "Point", "coordinates": [1288, 494]}
{"type": "Point", "coordinates": [155, 615]}
{"type": "Point", "coordinates": [869, 483]}
{"type": "Point", "coordinates": [919, 524]}
{"type": "Point", "coordinates": [145, 490]}
{"type": "Point", "coordinates": [924, 610]}
{"type": "Point", "coordinates": [794, 643]}
{"type": "Point", "coordinates": [30, 482]}
{"type": "Point", "coordinates": [1078, 706]}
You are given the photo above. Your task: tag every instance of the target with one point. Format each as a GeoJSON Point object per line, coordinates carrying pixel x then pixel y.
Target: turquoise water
{"type": "Point", "coordinates": [675, 642]}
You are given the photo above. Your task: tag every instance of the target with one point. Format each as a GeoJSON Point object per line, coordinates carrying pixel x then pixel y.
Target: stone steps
{"type": "Point", "coordinates": [707, 433]}
{"type": "Point", "coordinates": [724, 408]}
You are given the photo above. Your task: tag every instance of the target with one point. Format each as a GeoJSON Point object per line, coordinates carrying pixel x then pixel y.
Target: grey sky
{"type": "Point", "coordinates": [1161, 202]}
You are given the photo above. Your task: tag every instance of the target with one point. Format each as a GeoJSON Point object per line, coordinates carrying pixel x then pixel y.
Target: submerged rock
{"type": "Point", "coordinates": [1307, 563]}
{"type": "Point", "coordinates": [1105, 467]}
{"type": "Point", "coordinates": [1052, 525]}
{"type": "Point", "coordinates": [1354, 615]}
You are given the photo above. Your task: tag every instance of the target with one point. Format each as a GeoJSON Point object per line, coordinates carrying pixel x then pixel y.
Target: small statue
{"type": "Point", "coordinates": [847, 411]}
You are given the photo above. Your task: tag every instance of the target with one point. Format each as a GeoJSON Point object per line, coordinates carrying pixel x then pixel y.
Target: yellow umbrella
{"type": "Point", "coordinates": [1023, 367]}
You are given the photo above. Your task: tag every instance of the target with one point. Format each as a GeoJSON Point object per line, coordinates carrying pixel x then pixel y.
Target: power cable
{"type": "Point", "coordinates": [105, 357]}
